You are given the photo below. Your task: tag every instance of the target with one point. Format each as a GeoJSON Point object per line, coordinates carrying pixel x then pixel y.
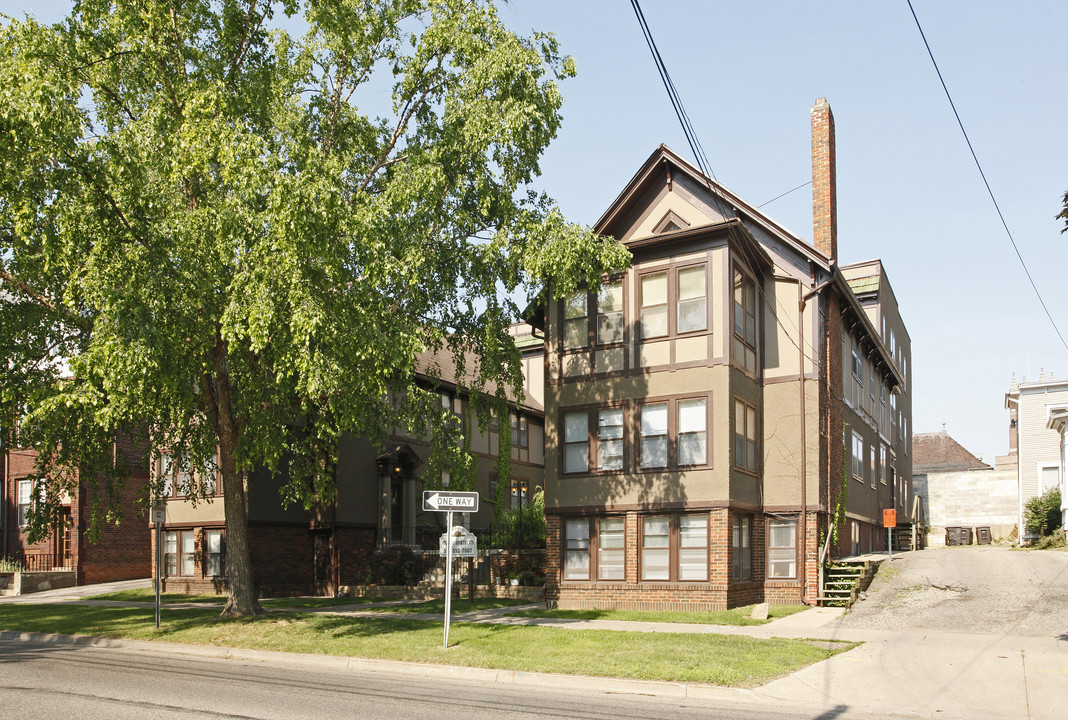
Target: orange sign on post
{"type": "Point", "coordinates": [889, 518]}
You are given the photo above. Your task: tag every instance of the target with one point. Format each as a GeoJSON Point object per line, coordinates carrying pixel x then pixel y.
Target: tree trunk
{"type": "Point", "coordinates": [242, 600]}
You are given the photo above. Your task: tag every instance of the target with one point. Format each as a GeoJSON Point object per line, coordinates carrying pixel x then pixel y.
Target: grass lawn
{"type": "Point", "coordinates": [736, 616]}
{"type": "Point", "coordinates": [437, 607]}
{"type": "Point", "coordinates": [149, 595]}
{"type": "Point", "coordinates": [314, 602]}
{"type": "Point", "coordinates": [716, 659]}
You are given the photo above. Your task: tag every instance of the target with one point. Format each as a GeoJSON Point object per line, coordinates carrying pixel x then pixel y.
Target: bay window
{"type": "Point", "coordinates": [654, 317]}
{"type": "Point", "coordinates": [692, 312]}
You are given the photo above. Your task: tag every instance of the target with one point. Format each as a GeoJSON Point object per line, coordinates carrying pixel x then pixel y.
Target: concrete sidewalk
{"type": "Point", "coordinates": [916, 674]}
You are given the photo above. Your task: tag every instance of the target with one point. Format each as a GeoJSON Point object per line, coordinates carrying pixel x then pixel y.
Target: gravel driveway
{"type": "Point", "coordinates": [986, 590]}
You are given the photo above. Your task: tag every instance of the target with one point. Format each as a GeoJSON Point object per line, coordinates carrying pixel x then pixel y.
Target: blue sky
{"type": "Point", "coordinates": [908, 190]}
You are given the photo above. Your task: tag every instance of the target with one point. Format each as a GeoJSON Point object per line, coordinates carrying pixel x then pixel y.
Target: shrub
{"type": "Point", "coordinates": [1051, 542]}
{"type": "Point", "coordinates": [1042, 514]}
{"type": "Point", "coordinates": [11, 565]}
{"type": "Point", "coordinates": [522, 527]}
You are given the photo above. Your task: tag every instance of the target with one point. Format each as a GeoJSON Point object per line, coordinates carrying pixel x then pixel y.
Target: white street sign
{"type": "Point", "coordinates": [449, 501]}
{"type": "Point", "coordinates": [464, 544]}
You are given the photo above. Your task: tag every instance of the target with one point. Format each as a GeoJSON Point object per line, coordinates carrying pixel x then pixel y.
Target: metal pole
{"type": "Point", "coordinates": [448, 574]}
{"type": "Point", "coordinates": [890, 544]}
{"type": "Point", "coordinates": [159, 567]}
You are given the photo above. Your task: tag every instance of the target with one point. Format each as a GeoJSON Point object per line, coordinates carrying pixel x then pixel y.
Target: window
{"type": "Point", "coordinates": [858, 456]}
{"type": "Point", "coordinates": [693, 547]}
{"type": "Point", "coordinates": [25, 501]}
{"type": "Point", "coordinates": [782, 548]}
{"type": "Point", "coordinates": [693, 438]}
{"type": "Point", "coordinates": [170, 554]}
{"type": "Point", "coordinates": [577, 549]}
{"type": "Point", "coordinates": [213, 566]}
{"type": "Point", "coordinates": [610, 549]}
{"type": "Point", "coordinates": [884, 463]}
{"type": "Point", "coordinates": [741, 548]}
{"type": "Point", "coordinates": [692, 302]}
{"type": "Point", "coordinates": [1049, 476]}
{"type": "Point", "coordinates": [857, 367]}
{"type": "Point", "coordinates": [873, 468]}
{"type": "Point", "coordinates": [656, 548]}
{"type": "Point", "coordinates": [520, 431]}
{"type": "Point", "coordinates": [654, 435]}
{"type": "Point", "coordinates": [576, 330]}
{"type": "Point", "coordinates": [174, 471]}
{"type": "Point", "coordinates": [745, 434]}
{"type": "Point", "coordinates": [610, 439]}
{"type": "Point", "coordinates": [576, 442]}
{"type": "Point", "coordinates": [745, 321]}
{"type": "Point", "coordinates": [654, 322]}
{"type": "Point", "coordinates": [674, 547]}
{"type": "Point", "coordinates": [610, 313]}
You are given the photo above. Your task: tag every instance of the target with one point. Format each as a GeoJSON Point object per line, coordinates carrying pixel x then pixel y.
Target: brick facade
{"type": "Point", "coordinates": [120, 551]}
{"type": "Point", "coordinates": [719, 592]}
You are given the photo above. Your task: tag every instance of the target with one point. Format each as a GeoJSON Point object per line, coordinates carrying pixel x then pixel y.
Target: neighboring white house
{"type": "Point", "coordinates": [1058, 422]}
{"type": "Point", "coordinates": [1034, 409]}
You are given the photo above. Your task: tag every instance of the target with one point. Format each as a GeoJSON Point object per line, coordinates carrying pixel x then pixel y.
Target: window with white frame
{"type": "Point", "coordinates": [24, 491]}
{"type": "Point", "coordinates": [674, 548]}
{"type": "Point", "coordinates": [1049, 476]}
{"type": "Point", "coordinates": [610, 439]}
{"type": "Point", "coordinates": [858, 456]}
{"type": "Point", "coordinates": [782, 548]}
{"type": "Point", "coordinates": [576, 442]}
{"type": "Point", "coordinates": [577, 549]}
{"type": "Point", "coordinates": [610, 313]}
{"type": "Point", "coordinates": [873, 465]}
{"type": "Point", "coordinates": [213, 553]}
{"type": "Point", "coordinates": [692, 432]}
{"type": "Point", "coordinates": [576, 320]}
{"type": "Point", "coordinates": [610, 548]}
{"type": "Point", "coordinates": [692, 302]}
{"type": "Point", "coordinates": [654, 435]}
{"type": "Point", "coordinates": [654, 309]}
{"type": "Point", "coordinates": [179, 553]}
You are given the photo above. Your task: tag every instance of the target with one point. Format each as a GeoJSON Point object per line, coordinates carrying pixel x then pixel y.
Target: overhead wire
{"type": "Point", "coordinates": [982, 174]}
{"type": "Point", "coordinates": [702, 160]}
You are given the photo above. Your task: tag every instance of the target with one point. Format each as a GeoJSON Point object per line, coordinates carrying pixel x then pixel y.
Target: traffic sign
{"type": "Point", "coordinates": [889, 518]}
{"type": "Point", "coordinates": [464, 544]}
{"type": "Point", "coordinates": [450, 501]}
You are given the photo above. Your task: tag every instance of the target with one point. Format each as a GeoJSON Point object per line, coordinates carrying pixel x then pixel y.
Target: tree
{"type": "Point", "coordinates": [240, 236]}
{"type": "Point", "coordinates": [1063, 214]}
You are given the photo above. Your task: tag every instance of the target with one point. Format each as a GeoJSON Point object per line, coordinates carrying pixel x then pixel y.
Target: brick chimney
{"type": "Point", "coordinates": [824, 195]}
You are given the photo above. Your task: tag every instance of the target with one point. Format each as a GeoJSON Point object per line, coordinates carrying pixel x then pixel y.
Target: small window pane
{"type": "Point", "coordinates": [575, 305]}
{"type": "Point", "coordinates": [610, 328]}
{"type": "Point", "coordinates": [692, 304]}
{"type": "Point", "coordinates": [654, 289]}
{"type": "Point", "coordinates": [575, 427]}
{"type": "Point", "coordinates": [654, 419]}
{"type": "Point", "coordinates": [692, 415]}
{"type": "Point", "coordinates": [654, 322]}
{"type": "Point", "coordinates": [577, 458]}
{"type": "Point", "coordinates": [610, 298]}
{"type": "Point", "coordinates": [691, 283]}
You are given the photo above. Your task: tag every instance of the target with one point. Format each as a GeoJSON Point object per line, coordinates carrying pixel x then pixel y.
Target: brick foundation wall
{"type": "Point", "coordinates": [354, 548]}
{"type": "Point", "coordinates": [282, 560]}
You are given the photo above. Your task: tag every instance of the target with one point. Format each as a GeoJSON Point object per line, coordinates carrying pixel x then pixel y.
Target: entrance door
{"type": "Point", "coordinates": [61, 541]}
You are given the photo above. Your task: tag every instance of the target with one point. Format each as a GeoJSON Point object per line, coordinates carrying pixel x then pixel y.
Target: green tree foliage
{"type": "Point", "coordinates": [1063, 214]}
{"type": "Point", "coordinates": [242, 237]}
{"type": "Point", "coordinates": [1042, 514]}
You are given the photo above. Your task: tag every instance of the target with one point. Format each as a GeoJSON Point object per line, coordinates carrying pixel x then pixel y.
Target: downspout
{"type": "Point", "coordinates": [802, 300]}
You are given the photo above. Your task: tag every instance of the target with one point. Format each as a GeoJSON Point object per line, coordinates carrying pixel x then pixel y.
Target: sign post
{"type": "Point", "coordinates": [158, 517]}
{"type": "Point", "coordinates": [448, 502]}
{"type": "Point", "coordinates": [890, 522]}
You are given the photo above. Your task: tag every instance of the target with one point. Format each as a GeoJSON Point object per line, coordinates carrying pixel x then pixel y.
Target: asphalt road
{"type": "Point", "coordinates": [977, 590]}
{"type": "Point", "coordinates": [47, 681]}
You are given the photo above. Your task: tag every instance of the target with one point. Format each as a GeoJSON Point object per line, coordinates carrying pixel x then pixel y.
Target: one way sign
{"type": "Point", "coordinates": [449, 501]}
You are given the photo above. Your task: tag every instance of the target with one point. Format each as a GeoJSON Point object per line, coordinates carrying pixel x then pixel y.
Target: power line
{"type": "Point", "coordinates": [769, 202]}
{"type": "Point", "coordinates": [982, 174]}
{"type": "Point", "coordinates": [702, 161]}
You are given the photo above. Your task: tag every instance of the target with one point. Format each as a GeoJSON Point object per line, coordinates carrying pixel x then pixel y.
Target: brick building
{"type": "Point", "coordinates": [121, 550]}
{"type": "Point", "coordinates": [711, 410]}
{"type": "Point", "coordinates": [378, 499]}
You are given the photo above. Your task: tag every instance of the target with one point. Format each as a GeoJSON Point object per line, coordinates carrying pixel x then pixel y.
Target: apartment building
{"type": "Point", "coordinates": [710, 412]}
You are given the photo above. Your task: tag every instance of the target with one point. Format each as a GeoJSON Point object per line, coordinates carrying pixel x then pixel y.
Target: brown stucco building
{"type": "Point", "coordinates": [711, 411]}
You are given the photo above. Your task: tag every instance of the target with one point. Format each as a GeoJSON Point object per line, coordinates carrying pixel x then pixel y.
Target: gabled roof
{"type": "Point", "coordinates": [938, 452]}
{"type": "Point", "coordinates": [720, 196]}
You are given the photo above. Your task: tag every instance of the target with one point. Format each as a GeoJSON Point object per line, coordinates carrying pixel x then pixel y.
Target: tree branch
{"type": "Point", "coordinates": [46, 302]}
